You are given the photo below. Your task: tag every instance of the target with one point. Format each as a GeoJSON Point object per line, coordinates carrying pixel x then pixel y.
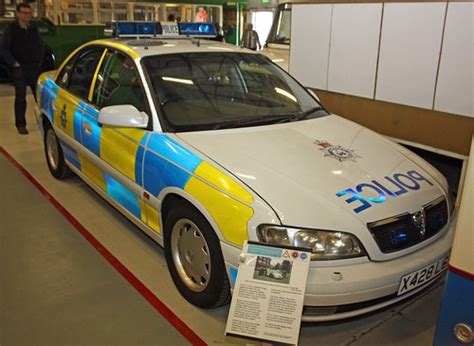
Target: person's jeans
{"type": "Point", "coordinates": [23, 76]}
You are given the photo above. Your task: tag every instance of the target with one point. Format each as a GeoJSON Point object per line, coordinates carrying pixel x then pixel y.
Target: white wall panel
{"type": "Point", "coordinates": [309, 50]}
{"type": "Point", "coordinates": [354, 48]}
{"type": "Point", "coordinates": [455, 91]}
{"type": "Point", "coordinates": [409, 53]}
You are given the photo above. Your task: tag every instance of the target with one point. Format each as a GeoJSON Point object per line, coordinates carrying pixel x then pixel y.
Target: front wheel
{"type": "Point", "coordinates": [194, 258]}
{"type": "Point", "coordinates": [54, 155]}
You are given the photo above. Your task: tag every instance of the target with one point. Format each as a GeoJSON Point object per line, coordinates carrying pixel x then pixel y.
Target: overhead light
{"type": "Point", "coordinates": [286, 94]}
{"type": "Point", "coordinates": [178, 80]}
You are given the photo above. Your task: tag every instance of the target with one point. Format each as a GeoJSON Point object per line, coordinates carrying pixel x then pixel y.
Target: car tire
{"type": "Point", "coordinates": [194, 257]}
{"type": "Point", "coordinates": [54, 155]}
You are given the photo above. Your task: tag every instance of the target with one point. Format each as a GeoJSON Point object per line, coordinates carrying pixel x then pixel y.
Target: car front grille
{"type": "Point", "coordinates": [405, 230]}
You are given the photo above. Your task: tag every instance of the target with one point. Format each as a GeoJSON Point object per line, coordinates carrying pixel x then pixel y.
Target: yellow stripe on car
{"type": "Point", "coordinates": [119, 147]}
{"type": "Point", "coordinates": [143, 214]}
{"type": "Point", "coordinates": [96, 73]}
{"type": "Point", "coordinates": [93, 172]}
{"type": "Point", "coordinates": [230, 215]}
{"type": "Point", "coordinates": [64, 113]}
{"type": "Point", "coordinates": [153, 217]}
{"type": "Point", "coordinates": [223, 182]}
{"type": "Point", "coordinates": [118, 46]}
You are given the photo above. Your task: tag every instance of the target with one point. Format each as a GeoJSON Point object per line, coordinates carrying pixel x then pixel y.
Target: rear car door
{"type": "Point", "coordinates": [70, 104]}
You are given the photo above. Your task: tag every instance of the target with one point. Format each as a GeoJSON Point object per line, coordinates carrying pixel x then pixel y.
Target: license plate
{"type": "Point", "coordinates": [422, 276]}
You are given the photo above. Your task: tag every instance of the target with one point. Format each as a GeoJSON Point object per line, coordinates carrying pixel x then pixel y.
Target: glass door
{"type": "Point", "coordinates": [262, 22]}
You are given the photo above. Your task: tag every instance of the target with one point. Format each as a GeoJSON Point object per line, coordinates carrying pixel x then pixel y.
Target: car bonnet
{"type": "Point", "coordinates": [326, 172]}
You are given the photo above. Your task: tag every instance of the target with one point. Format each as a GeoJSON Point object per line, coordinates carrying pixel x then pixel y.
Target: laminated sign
{"type": "Point", "coordinates": [267, 300]}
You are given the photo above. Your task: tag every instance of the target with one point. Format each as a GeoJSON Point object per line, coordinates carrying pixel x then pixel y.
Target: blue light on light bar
{"type": "Point", "coordinates": [197, 29]}
{"type": "Point", "coordinates": [145, 29]}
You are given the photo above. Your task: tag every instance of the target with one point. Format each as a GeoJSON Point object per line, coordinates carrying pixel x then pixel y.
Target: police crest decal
{"type": "Point", "coordinates": [337, 152]}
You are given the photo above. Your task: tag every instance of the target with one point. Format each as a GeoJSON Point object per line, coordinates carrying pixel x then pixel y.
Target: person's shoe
{"type": "Point", "coordinates": [22, 130]}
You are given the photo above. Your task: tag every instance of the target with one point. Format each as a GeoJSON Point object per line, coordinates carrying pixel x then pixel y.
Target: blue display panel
{"type": "Point", "coordinates": [137, 29]}
{"type": "Point", "coordinates": [197, 29]}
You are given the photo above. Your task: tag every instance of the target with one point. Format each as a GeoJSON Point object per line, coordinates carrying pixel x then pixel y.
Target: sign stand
{"type": "Point", "coordinates": [267, 300]}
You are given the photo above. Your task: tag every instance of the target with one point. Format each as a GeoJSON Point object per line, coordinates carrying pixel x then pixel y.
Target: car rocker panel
{"type": "Point", "coordinates": [326, 174]}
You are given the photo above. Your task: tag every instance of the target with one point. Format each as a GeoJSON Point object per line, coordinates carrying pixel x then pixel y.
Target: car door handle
{"type": "Point", "coordinates": [87, 129]}
{"type": "Point", "coordinates": [54, 106]}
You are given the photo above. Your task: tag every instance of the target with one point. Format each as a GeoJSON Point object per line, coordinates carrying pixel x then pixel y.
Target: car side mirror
{"type": "Point", "coordinates": [123, 116]}
{"type": "Point", "coordinates": [313, 94]}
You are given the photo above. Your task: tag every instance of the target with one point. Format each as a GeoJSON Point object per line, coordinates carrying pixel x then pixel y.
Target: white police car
{"type": "Point", "coordinates": [205, 145]}
{"type": "Point", "coordinates": [276, 274]}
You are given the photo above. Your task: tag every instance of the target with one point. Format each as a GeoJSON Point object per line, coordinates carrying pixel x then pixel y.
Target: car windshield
{"type": "Point", "coordinates": [205, 91]}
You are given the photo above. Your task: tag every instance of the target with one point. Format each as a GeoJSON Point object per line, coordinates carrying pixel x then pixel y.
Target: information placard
{"type": "Point", "coordinates": [267, 301]}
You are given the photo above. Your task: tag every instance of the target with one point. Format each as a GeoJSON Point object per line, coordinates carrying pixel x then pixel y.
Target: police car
{"type": "Point", "coordinates": [205, 145]}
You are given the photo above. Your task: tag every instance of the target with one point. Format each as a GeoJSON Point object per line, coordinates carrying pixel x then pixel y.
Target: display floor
{"type": "Point", "coordinates": [75, 271]}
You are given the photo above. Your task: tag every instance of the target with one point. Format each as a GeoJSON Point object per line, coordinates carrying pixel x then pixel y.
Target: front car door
{"type": "Point", "coordinates": [120, 149]}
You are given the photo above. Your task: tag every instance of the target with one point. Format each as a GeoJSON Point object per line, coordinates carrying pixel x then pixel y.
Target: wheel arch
{"type": "Point", "coordinates": [44, 122]}
{"type": "Point", "coordinates": [172, 196]}
{"type": "Point", "coordinates": [217, 289]}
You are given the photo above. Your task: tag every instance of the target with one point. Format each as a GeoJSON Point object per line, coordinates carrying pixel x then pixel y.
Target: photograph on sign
{"type": "Point", "coordinates": [273, 270]}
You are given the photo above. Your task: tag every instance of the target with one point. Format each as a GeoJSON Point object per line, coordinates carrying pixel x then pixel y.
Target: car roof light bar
{"type": "Point", "coordinates": [139, 29]}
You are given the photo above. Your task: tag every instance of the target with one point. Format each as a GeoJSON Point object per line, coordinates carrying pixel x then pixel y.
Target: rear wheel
{"type": "Point", "coordinates": [54, 155]}
{"type": "Point", "coordinates": [194, 257]}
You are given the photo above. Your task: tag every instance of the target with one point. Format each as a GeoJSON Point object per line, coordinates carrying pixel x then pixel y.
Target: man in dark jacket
{"type": "Point", "coordinates": [23, 50]}
{"type": "Point", "coordinates": [250, 38]}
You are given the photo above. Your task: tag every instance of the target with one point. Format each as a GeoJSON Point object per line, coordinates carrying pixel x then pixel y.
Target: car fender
{"type": "Point", "coordinates": [261, 213]}
{"type": "Point", "coordinates": [191, 200]}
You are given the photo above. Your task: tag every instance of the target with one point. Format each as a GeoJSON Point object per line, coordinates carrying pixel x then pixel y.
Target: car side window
{"type": "Point", "coordinates": [118, 83]}
{"type": "Point", "coordinates": [65, 73]}
{"type": "Point", "coordinates": [77, 75]}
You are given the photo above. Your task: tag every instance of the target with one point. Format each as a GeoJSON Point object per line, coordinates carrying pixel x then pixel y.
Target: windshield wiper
{"type": "Point", "coordinates": [290, 117]}
{"type": "Point", "coordinates": [266, 120]}
{"type": "Point", "coordinates": [263, 120]}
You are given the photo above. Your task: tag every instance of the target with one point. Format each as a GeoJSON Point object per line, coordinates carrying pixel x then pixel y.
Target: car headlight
{"type": "Point", "coordinates": [325, 245]}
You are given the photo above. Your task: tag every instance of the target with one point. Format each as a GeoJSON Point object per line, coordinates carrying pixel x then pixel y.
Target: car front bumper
{"type": "Point", "coordinates": [336, 292]}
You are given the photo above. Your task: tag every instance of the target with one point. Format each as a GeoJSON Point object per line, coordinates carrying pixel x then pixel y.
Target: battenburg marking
{"type": "Point", "coordinates": [394, 186]}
